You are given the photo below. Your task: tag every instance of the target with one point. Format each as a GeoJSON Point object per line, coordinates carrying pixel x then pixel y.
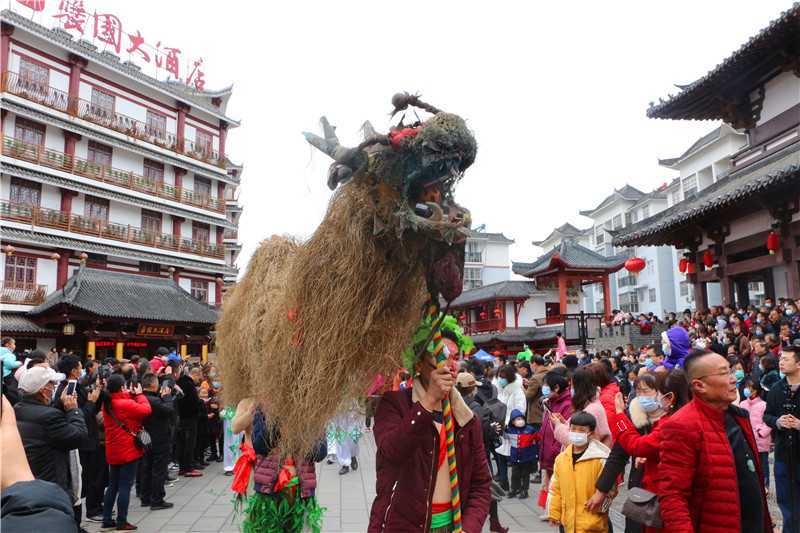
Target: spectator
{"type": "Point", "coordinates": [561, 346]}
{"type": "Point", "coordinates": [584, 398]}
{"type": "Point", "coordinates": [522, 437]}
{"type": "Point", "coordinates": [510, 393]}
{"type": "Point", "coordinates": [756, 406]}
{"type": "Point", "coordinates": [215, 425]}
{"type": "Point", "coordinates": [124, 409]}
{"type": "Point", "coordinates": [534, 395]}
{"type": "Point", "coordinates": [48, 433]}
{"type": "Point", "coordinates": [156, 460]}
{"type": "Point", "coordinates": [604, 380]}
{"type": "Point", "coordinates": [9, 363]}
{"type": "Point", "coordinates": [188, 413]}
{"type": "Point", "coordinates": [159, 360]}
{"type": "Point", "coordinates": [557, 401]}
{"type": "Point", "coordinates": [709, 459]}
{"type": "Point", "coordinates": [782, 414]}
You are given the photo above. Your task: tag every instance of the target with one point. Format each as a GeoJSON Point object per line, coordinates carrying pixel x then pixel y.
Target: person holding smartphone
{"type": "Point", "coordinates": [155, 461]}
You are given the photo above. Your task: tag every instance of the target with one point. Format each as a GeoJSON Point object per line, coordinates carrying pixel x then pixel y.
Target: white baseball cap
{"type": "Point", "coordinates": [37, 377]}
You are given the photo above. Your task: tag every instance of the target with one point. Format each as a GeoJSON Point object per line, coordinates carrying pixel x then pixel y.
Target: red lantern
{"type": "Point", "coordinates": [462, 317]}
{"type": "Point", "coordinates": [773, 242]}
{"type": "Point", "coordinates": [483, 315]}
{"type": "Point", "coordinates": [682, 265]}
{"type": "Point", "coordinates": [634, 264]}
{"type": "Point", "coordinates": [708, 259]}
{"type": "Point", "coordinates": [497, 353]}
{"type": "Point", "coordinates": [691, 268]}
{"type": "Point", "coordinates": [497, 312]}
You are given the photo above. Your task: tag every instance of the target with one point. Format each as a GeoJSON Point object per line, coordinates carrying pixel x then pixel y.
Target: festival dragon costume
{"type": "Point", "coordinates": [311, 322]}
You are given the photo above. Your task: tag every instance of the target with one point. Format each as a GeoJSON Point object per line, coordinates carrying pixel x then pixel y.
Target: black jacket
{"type": "Point", "coordinates": [189, 404]}
{"type": "Point", "coordinates": [89, 410]}
{"type": "Point", "coordinates": [37, 506]}
{"type": "Point", "coordinates": [48, 434]}
{"type": "Point", "coordinates": [159, 423]}
{"type": "Point", "coordinates": [781, 401]}
{"type": "Point", "coordinates": [491, 438]}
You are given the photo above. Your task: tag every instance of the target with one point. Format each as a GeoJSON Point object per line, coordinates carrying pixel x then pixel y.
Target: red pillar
{"type": "Point", "coordinates": [179, 172]}
{"type": "Point", "coordinates": [66, 200]}
{"type": "Point", "coordinates": [218, 292]}
{"type": "Point", "coordinates": [183, 109]}
{"type": "Point", "coordinates": [606, 297]}
{"type": "Point", "coordinates": [562, 293]}
{"type": "Point", "coordinates": [77, 64]}
{"type": "Point", "coordinates": [70, 140]}
{"type": "Point", "coordinates": [62, 268]}
{"type": "Point", "coordinates": [220, 231]}
{"type": "Point", "coordinates": [176, 276]}
{"type": "Point", "coordinates": [223, 137]}
{"type": "Point", "coordinates": [221, 192]}
{"type": "Point", "coordinates": [5, 46]}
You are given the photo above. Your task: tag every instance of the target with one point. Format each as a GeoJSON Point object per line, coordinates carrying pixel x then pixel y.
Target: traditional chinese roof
{"type": "Point", "coordinates": [564, 230]}
{"type": "Point", "coordinates": [761, 56]}
{"type": "Point", "coordinates": [120, 295]}
{"type": "Point", "coordinates": [518, 335]}
{"type": "Point", "coordinates": [707, 139]}
{"type": "Point", "coordinates": [502, 290]}
{"type": "Point", "coordinates": [85, 49]}
{"type": "Point", "coordinates": [18, 323]}
{"type": "Point", "coordinates": [90, 245]}
{"type": "Point", "coordinates": [730, 195]}
{"type": "Point", "coordinates": [569, 255]}
{"type": "Point", "coordinates": [627, 192]}
{"type": "Point", "coordinates": [491, 237]}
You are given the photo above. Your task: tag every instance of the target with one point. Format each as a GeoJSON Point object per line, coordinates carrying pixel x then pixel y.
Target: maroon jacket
{"type": "Point", "coordinates": [408, 445]}
{"type": "Point", "coordinates": [698, 489]}
{"type": "Point", "coordinates": [550, 447]}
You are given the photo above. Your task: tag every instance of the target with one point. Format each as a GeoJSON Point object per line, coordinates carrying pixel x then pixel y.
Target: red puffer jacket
{"type": "Point", "coordinates": [645, 446]}
{"type": "Point", "coordinates": [408, 445]}
{"type": "Point", "coordinates": [697, 483]}
{"type": "Point", "coordinates": [607, 395]}
{"type": "Point", "coordinates": [130, 411]}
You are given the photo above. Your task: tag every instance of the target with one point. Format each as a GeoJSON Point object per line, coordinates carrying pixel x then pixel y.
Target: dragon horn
{"type": "Point", "coordinates": [330, 144]}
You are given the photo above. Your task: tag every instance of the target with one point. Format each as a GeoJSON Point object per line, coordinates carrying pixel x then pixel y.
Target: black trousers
{"type": "Point", "coordinates": [154, 475]}
{"type": "Point", "coordinates": [187, 439]}
{"type": "Point", "coordinates": [94, 478]}
{"type": "Point", "coordinates": [521, 476]}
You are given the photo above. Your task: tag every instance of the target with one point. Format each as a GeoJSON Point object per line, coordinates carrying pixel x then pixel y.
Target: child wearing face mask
{"type": "Point", "coordinates": [574, 476]}
{"type": "Point", "coordinates": [755, 405]}
{"type": "Point", "coordinates": [522, 437]}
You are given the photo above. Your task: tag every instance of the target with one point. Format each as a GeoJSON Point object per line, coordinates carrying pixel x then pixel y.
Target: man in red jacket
{"type": "Point", "coordinates": [710, 479]}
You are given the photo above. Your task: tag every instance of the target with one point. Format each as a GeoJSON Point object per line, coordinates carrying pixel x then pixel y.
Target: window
{"type": "Point", "coordinates": [472, 278]}
{"type": "Point", "coordinates": [151, 223]}
{"type": "Point", "coordinates": [33, 75]}
{"type": "Point", "coordinates": [645, 212]}
{"type": "Point", "coordinates": [676, 197]}
{"type": "Point", "coordinates": [29, 132]}
{"type": "Point", "coordinates": [629, 302]}
{"type": "Point", "coordinates": [617, 221]}
{"type": "Point", "coordinates": [97, 260]}
{"type": "Point", "coordinates": [649, 266]}
{"type": "Point", "coordinates": [202, 188]}
{"type": "Point", "coordinates": [149, 268]}
{"type": "Point", "coordinates": [652, 295]}
{"type": "Point", "coordinates": [156, 125]}
{"type": "Point", "coordinates": [200, 289]}
{"type": "Point", "coordinates": [690, 186]}
{"type": "Point", "coordinates": [100, 154]}
{"type": "Point", "coordinates": [200, 232]}
{"type": "Point", "coordinates": [599, 236]}
{"type": "Point", "coordinates": [203, 143]}
{"type": "Point", "coordinates": [153, 173]}
{"type": "Point", "coordinates": [20, 271]}
{"type": "Point", "coordinates": [25, 192]}
{"type": "Point", "coordinates": [627, 281]}
{"type": "Point", "coordinates": [96, 208]}
{"type": "Point", "coordinates": [684, 288]}
{"type": "Point", "coordinates": [473, 252]}
{"type": "Point", "coordinates": [102, 103]}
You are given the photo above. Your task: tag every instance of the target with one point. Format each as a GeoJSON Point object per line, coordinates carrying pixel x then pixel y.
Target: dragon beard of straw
{"type": "Point", "coordinates": [337, 310]}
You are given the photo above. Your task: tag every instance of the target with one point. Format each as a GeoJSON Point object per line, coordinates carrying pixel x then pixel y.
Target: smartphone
{"type": "Point", "coordinates": [71, 384]}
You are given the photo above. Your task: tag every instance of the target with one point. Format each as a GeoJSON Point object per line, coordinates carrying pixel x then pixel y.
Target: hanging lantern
{"type": "Point", "coordinates": [708, 259]}
{"type": "Point", "coordinates": [691, 268]}
{"type": "Point", "coordinates": [497, 312]}
{"type": "Point", "coordinates": [462, 317]}
{"type": "Point", "coordinates": [773, 241]}
{"type": "Point", "coordinates": [483, 315]}
{"type": "Point", "coordinates": [682, 265]}
{"type": "Point", "coordinates": [634, 265]}
{"type": "Point", "coordinates": [497, 353]}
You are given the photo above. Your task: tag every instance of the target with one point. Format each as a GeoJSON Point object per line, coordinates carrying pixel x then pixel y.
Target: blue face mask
{"type": "Point", "coordinates": [739, 375]}
{"type": "Point", "coordinates": [545, 391]}
{"type": "Point", "coordinates": [572, 391]}
{"type": "Point", "coordinates": [649, 362]}
{"type": "Point", "coordinates": [782, 375]}
{"type": "Point", "coordinates": [648, 403]}
{"type": "Point", "coordinates": [216, 384]}
{"type": "Point", "coordinates": [746, 393]}
{"type": "Point", "coordinates": [502, 382]}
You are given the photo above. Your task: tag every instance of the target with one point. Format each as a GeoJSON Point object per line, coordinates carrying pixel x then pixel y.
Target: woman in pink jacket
{"type": "Point", "coordinates": [585, 397]}
{"type": "Point", "coordinates": [755, 405]}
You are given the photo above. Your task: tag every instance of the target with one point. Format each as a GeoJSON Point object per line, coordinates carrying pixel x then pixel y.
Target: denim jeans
{"type": "Point", "coordinates": [120, 480]}
{"type": "Point", "coordinates": [764, 459]}
{"type": "Point", "coordinates": [502, 468]}
{"type": "Point", "coordinates": [783, 489]}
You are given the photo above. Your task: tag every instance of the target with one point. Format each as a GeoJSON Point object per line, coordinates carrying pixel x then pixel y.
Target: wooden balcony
{"type": "Point", "coordinates": [61, 101]}
{"type": "Point", "coordinates": [52, 218]}
{"type": "Point", "coordinates": [14, 292]}
{"type": "Point", "coordinates": [121, 178]}
{"type": "Point", "coordinates": [485, 326]}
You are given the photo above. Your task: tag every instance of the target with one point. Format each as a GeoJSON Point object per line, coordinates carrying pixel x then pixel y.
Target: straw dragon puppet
{"type": "Point", "coordinates": [310, 323]}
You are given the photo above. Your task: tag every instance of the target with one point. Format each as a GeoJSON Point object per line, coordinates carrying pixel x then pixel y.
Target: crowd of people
{"type": "Point", "coordinates": [100, 430]}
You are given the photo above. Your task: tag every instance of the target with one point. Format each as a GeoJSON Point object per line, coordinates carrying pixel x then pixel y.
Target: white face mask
{"type": "Point", "coordinates": [577, 438]}
{"type": "Point", "coordinates": [519, 422]}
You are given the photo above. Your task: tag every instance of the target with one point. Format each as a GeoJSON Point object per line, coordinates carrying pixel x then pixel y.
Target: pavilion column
{"type": "Point", "coordinates": [90, 348]}
{"type": "Point", "coordinates": [176, 276]}
{"type": "Point", "coordinates": [218, 292]}
{"type": "Point", "coordinates": [76, 66]}
{"type": "Point", "coordinates": [606, 296]}
{"type": "Point", "coordinates": [66, 200]}
{"type": "Point", "coordinates": [184, 350]}
{"type": "Point", "coordinates": [119, 350]}
{"type": "Point", "coordinates": [562, 293]}
{"type": "Point", "coordinates": [223, 135]}
{"type": "Point", "coordinates": [204, 353]}
{"type": "Point", "coordinates": [789, 253]}
{"type": "Point", "coordinates": [177, 225]}
{"type": "Point", "coordinates": [62, 268]}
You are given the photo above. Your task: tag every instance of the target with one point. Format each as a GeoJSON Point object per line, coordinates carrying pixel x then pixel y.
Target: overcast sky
{"type": "Point", "coordinates": [556, 92]}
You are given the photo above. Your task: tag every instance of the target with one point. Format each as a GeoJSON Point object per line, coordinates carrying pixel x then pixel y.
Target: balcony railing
{"type": "Point", "coordinates": [122, 178]}
{"type": "Point", "coordinates": [53, 218]}
{"type": "Point", "coordinates": [230, 234]}
{"type": "Point", "coordinates": [15, 292]}
{"type": "Point", "coordinates": [473, 257]}
{"type": "Point", "coordinates": [57, 99]}
{"type": "Point", "coordinates": [552, 319]}
{"type": "Point", "coordinates": [483, 326]}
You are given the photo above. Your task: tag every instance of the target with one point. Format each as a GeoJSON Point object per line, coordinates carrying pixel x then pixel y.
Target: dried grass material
{"type": "Point", "coordinates": [240, 356]}
{"type": "Point", "coordinates": [350, 304]}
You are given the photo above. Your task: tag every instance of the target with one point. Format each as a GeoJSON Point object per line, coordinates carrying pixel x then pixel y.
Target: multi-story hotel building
{"type": "Point", "coordinates": [118, 203]}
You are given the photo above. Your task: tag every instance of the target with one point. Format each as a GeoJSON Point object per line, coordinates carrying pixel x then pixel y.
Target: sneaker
{"type": "Point", "coordinates": [344, 470]}
{"type": "Point", "coordinates": [97, 519]}
{"type": "Point", "coordinates": [172, 477]}
{"type": "Point", "coordinates": [191, 473]}
{"type": "Point", "coordinates": [173, 466]}
{"type": "Point", "coordinates": [218, 459]}
{"type": "Point", "coordinates": [108, 527]}
{"type": "Point", "coordinates": [544, 517]}
{"type": "Point", "coordinates": [127, 527]}
{"type": "Point", "coordinates": [354, 463]}
{"type": "Point", "coordinates": [161, 505]}
{"type": "Point", "coordinates": [229, 472]}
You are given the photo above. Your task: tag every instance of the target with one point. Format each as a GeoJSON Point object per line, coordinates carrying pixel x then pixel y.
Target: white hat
{"type": "Point", "coordinates": [37, 377]}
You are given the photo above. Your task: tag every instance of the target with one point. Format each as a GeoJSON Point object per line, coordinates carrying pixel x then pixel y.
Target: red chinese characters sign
{"type": "Point", "coordinates": [155, 330]}
{"type": "Point", "coordinates": [107, 28]}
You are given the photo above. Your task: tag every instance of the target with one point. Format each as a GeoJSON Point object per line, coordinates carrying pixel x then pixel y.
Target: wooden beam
{"type": "Point", "coordinates": [752, 265]}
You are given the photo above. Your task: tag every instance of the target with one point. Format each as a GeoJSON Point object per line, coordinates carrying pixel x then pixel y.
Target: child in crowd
{"type": "Point", "coordinates": [575, 473]}
{"type": "Point", "coordinates": [755, 405]}
{"type": "Point", "coordinates": [523, 453]}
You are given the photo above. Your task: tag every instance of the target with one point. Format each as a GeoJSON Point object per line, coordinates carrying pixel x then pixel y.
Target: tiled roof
{"type": "Point", "coordinates": [572, 255]}
{"type": "Point", "coordinates": [714, 135]}
{"type": "Point", "coordinates": [761, 53]}
{"type": "Point", "coordinates": [11, 323]}
{"type": "Point", "coordinates": [518, 335]}
{"type": "Point", "coordinates": [492, 237]}
{"type": "Point", "coordinates": [14, 234]}
{"type": "Point", "coordinates": [120, 295]}
{"type": "Point", "coordinates": [779, 171]}
{"type": "Point", "coordinates": [201, 100]}
{"type": "Point", "coordinates": [564, 230]}
{"type": "Point", "coordinates": [58, 181]}
{"type": "Point", "coordinates": [626, 193]}
{"type": "Point", "coordinates": [499, 290]}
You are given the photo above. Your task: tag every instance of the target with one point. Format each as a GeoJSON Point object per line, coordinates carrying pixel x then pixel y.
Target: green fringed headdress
{"type": "Point", "coordinates": [423, 333]}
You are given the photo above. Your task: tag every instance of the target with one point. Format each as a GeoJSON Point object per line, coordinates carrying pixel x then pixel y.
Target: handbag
{"type": "Point", "coordinates": [642, 507]}
{"type": "Point", "coordinates": [141, 438]}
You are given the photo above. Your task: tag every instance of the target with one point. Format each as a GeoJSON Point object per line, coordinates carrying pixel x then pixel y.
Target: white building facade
{"type": "Point", "coordinates": [487, 259]}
